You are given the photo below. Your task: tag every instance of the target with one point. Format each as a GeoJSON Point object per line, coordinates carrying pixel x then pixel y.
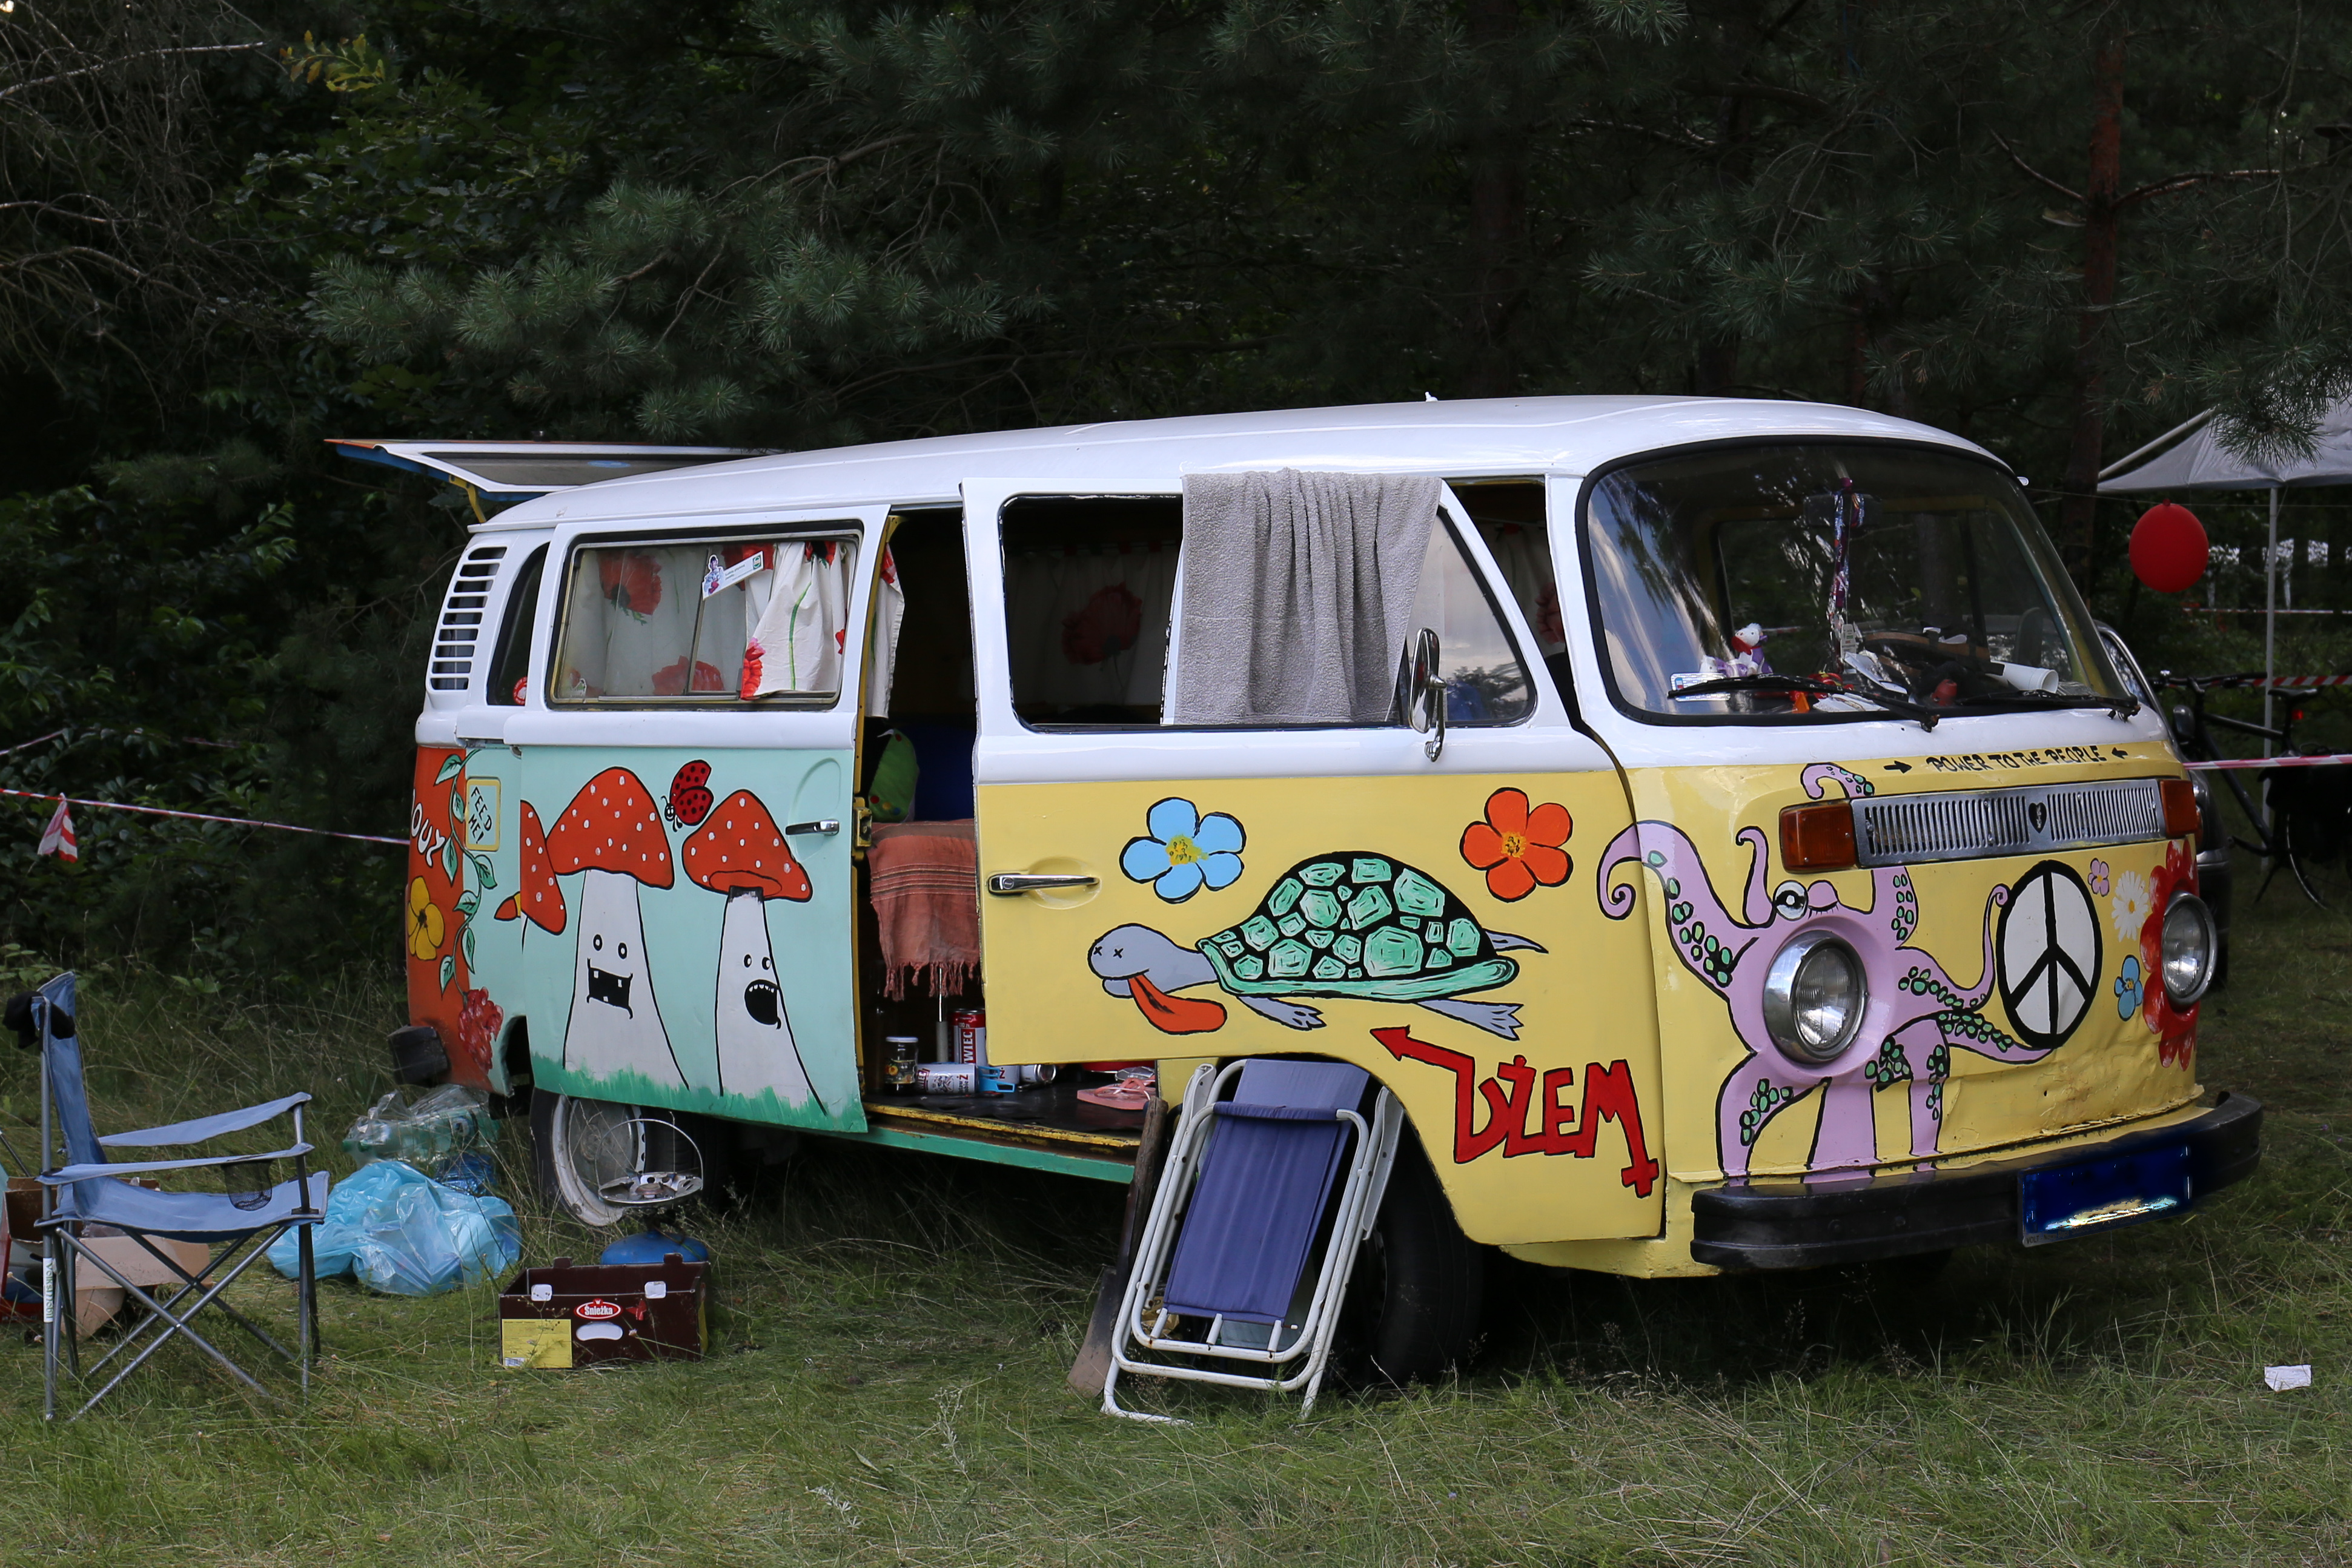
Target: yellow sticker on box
{"type": "Point", "coordinates": [535, 1342]}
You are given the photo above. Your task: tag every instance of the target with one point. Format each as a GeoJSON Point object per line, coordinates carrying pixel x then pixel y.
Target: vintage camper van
{"type": "Point", "coordinates": [1716, 823]}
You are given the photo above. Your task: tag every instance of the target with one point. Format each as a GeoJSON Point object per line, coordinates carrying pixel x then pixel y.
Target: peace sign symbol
{"type": "Point", "coordinates": [2050, 951]}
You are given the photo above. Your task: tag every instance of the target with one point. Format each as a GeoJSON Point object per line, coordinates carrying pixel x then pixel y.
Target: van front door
{"type": "Point", "coordinates": [1170, 892]}
{"type": "Point", "coordinates": [677, 880]}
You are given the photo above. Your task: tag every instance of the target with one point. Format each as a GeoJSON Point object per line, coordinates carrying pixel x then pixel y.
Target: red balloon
{"type": "Point", "coordinates": [2169, 548]}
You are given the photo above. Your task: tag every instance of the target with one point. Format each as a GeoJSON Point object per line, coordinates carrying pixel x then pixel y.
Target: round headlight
{"type": "Point", "coordinates": [2189, 943]}
{"type": "Point", "coordinates": [1813, 997]}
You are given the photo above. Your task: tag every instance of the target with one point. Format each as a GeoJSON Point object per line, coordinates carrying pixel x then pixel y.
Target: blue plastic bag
{"type": "Point", "coordinates": [401, 1232]}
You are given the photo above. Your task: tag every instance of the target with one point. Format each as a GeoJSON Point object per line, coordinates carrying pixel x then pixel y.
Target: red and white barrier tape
{"type": "Point", "coordinates": [2256, 683]}
{"type": "Point", "coordinates": [28, 745]}
{"type": "Point", "coordinates": [2336, 760]}
{"type": "Point", "coordinates": [203, 817]}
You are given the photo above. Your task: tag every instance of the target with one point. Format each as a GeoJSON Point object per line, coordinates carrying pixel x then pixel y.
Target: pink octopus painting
{"type": "Point", "coordinates": [1916, 1016]}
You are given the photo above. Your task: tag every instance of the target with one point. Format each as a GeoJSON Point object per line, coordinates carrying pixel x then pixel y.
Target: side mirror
{"type": "Point", "coordinates": [1420, 690]}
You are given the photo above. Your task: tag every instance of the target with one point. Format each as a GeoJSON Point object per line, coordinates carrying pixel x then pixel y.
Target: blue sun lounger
{"type": "Point", "coordinates": [1273, 1181]}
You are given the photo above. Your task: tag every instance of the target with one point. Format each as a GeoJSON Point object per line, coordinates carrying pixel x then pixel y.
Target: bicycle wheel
{"type": "Point", "coordinates": [2313, 809]}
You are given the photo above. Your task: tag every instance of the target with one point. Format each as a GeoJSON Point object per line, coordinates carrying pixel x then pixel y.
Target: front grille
{"type": "Point", "coordinates": [1968, 824]}
{"type": "Point", "coordinates": [461, 620]}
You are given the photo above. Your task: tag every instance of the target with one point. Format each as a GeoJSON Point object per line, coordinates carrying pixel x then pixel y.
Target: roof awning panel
{"type": "Point", "coordinates": [514, 470]}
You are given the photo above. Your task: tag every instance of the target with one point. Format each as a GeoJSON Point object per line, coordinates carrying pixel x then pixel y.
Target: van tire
{"type": "Point", "coordinates": [1415, 1300]}
{"type": "Point", "coordinates": [555, 1131]}
{"type": "Point", "coordinates": [555, 1121]}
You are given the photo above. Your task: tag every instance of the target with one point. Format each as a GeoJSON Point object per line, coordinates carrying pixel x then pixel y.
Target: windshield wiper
{"type": "Point", "coordinates": [1792, 684]}
{"type": "Point", "coordinates": [1758, 684]}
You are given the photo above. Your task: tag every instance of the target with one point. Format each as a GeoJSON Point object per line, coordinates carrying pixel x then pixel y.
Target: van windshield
{"type": "Point", "coordinates": [1800, 580]}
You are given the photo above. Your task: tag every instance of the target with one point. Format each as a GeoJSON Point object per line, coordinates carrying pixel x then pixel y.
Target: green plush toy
{"type": "Point", "coordinates": [891, 796]}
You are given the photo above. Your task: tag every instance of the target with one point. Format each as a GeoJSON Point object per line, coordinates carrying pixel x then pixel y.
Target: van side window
{"type": "Point", "coordinates": [1513, 521]}
{"type": "Point", "coordinates": [1088, 581]}
{"type": "Point", "coordinates": [1486, 682]}
{"type": "Point", "coordinates": [715, 623]}
{"type": "Point", "coordinates": [511, 665]}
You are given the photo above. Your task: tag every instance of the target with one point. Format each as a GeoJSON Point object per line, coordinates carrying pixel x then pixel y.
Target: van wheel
{"type": "Point", "coordinates": [1415, 1299]}
{"type": "Point", "coordinates": [572, 1139]}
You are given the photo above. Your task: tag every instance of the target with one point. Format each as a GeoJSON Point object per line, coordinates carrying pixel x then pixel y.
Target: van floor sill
{"type": "Point", "coordinates": [1051, 1114]}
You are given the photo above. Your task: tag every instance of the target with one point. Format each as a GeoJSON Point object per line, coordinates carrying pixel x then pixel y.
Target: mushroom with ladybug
{"type": "Point", "coordinates": [740, 851]}
{"type": "Point", "coordinates": [611, 832]}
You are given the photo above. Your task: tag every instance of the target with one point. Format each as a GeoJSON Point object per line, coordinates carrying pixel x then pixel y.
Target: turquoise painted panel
{"type": "Point", "coordinates": [692, 956]}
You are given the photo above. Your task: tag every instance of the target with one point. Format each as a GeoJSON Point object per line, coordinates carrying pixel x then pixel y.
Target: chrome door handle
{"type": "Point", "coordinates": [828, 825]}
{"type": "Point", "coordinates": [1011, 884]}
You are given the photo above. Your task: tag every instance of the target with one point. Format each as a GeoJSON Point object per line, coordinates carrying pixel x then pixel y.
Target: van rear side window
{"type": "Point", "coordinates": [710, 623]}
{"type": "Point", "coordinates": [510, 666]}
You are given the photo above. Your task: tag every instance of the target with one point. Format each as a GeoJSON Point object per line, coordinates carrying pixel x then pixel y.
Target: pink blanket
{"type": "Point", "coordinates": [926, 892]}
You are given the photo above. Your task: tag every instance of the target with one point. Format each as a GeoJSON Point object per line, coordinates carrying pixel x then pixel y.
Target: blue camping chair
{"type": "Point", "coordinates": [1273, 1181]}
{"type": "Point", "coordinates": [84, 1194]}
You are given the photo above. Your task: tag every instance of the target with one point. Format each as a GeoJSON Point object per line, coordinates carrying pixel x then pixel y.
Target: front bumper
{"type": "Point", "coordinates": [1806, 1224]}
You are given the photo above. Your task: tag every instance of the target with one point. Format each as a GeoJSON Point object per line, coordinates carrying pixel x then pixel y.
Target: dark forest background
{"type": "Point", "coordinates": [2059, 229]}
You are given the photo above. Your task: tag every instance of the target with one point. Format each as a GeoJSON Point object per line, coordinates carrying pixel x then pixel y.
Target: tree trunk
{"type": "Point", "coordinates": [2079, 513]}
{"type": "Point", "coordinates": [1498, 221]}
{"type": "Point", "coordinates": [1715, 373]}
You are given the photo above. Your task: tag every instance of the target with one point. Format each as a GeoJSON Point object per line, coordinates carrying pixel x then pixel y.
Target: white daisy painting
{"type": "Point", "coordinates": [2130, 905]}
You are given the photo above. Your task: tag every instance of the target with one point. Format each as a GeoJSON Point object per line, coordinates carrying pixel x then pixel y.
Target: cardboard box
{"type": "Point", "coordinates": [97, 1297]}
{"type": "Point", "coordinates": [569, 1315]}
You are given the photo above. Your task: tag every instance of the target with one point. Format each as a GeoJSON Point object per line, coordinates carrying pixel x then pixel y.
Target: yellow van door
{"type": "Point", "coordinates": [1171, 892]}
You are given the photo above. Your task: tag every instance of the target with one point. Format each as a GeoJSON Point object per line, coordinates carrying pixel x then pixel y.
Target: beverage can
{"type": "Point", "coordinates": [947, 1078]}
{"type": "Point", "coordinates": [970, 1027]}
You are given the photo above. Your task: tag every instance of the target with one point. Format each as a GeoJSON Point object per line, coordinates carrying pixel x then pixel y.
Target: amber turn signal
{"type": "Point", "coordinates": [1817, 838]}
{"type": "Point", "coordinates": [2182, 820]}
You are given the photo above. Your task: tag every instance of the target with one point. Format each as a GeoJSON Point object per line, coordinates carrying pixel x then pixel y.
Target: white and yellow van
{"type": "Point", "coordinates": [1715, 821]}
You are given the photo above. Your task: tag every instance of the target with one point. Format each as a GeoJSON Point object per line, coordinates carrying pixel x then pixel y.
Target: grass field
{"type": "Point", "coordinates": [889, 1382]}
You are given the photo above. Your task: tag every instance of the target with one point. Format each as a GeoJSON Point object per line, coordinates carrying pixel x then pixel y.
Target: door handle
{"type": "Point", "coordinates": [1012, 883]}
{"type": "Point", "coordinates": [828, 825]}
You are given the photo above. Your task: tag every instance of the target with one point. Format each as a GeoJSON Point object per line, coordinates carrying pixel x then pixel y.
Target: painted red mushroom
{"type": "Point", "coordinates": [739, 849]}
{"type": "Point", "coordinates": [740, 853]}
{"type": "Point", "coordinates": [613, 833]}
{"type": "Point", "coordinates": [540, 897]}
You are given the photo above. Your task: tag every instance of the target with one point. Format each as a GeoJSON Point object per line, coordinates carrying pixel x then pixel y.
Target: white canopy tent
{"type": "Point", "coordinates": [2193, 458]}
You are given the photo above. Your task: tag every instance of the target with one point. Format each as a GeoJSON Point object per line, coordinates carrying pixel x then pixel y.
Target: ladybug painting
{"type": "Point", "coordinates": [690, 795]}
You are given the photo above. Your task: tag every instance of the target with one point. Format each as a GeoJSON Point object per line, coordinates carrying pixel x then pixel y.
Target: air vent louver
{"type": "Point", "coordinates": [1903, 830]}
{"type": "Point", "coordinates": [454, 640]}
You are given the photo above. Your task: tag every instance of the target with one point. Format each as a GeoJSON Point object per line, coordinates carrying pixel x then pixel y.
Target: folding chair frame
{"type": "Point", "coordinates": [59, 1332]}
{"type": "Point", "coordinates": [1360, 1192]}
{"type": "Point", "coordinates": [62, 1244]}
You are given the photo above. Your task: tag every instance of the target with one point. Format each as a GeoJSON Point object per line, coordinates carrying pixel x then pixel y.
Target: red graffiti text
{"type": "Point", "coordinates": [1524, 1117]}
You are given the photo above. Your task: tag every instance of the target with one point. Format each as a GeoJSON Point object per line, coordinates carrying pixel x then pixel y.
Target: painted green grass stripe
{"type": "Point", "coordinates": [996, 1153]}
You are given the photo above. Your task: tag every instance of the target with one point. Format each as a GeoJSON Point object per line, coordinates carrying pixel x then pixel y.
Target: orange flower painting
{"type": "Point", "coordinates": [1518, 847]}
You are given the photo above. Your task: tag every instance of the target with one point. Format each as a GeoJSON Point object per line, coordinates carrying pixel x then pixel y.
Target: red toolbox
{"type": "Point", "coordinates": [571, 1314]}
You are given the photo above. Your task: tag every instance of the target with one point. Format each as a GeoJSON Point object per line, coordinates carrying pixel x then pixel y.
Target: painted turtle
{"type": "Point", "coordinates": [1349, 923]}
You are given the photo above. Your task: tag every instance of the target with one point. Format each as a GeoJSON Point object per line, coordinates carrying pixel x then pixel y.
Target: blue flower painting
{"type": "Point", "coordinates": [2128, 988]}
{"type": "Point", "coordinates": [1182, 851]}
